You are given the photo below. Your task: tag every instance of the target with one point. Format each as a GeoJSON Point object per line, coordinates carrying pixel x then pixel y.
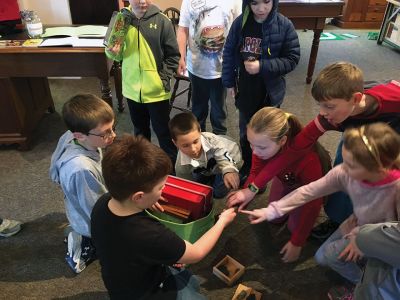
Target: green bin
{"type": "Point", "coordinates": [191, 231]}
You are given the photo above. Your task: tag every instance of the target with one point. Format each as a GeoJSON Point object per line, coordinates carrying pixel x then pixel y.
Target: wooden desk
{"type": "Point", "coordinates": [311, 14]}
{"type": "Point", "coordinates": [24, 72]}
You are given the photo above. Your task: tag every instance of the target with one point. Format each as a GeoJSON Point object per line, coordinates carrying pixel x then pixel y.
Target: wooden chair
{"type": "Point", "coordinates": [173, 14]}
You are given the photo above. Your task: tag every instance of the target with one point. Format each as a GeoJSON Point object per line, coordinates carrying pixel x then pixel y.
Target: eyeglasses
{"type": "Point", "coordinates": [106, 135]}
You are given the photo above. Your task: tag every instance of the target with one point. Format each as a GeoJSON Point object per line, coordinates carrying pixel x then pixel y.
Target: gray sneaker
{"type": "Point", "coordinates": [9, 227]}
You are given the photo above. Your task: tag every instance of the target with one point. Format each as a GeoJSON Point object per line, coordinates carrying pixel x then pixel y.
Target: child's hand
{"type": "Point", "coordinates": [157, 207]}
{"type": "Point", "coordinates": [231, 91]}
{"type": "Point", "coordinates": [115, 49]}
{"type": "Point", "coordinates": [241, 197]}
{"type": "Point", "coordinates": [351, 252]}
{"type": "Point", "coordinates": [181, 67]}
{"type": "Point", "coordinates": [252, 67]}
{"type": "Point", "coordinates": [290, 252]}
{"type": "Point", "coordinates": [227, 216]}
{"type": "Point", "coordinates": [231, 180]}
{"type": "Point", "coordinates": [256, 216]}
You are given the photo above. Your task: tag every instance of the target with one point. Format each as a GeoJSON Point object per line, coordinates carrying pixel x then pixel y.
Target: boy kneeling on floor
{"type": "Point", "coordinates": [136, 252]}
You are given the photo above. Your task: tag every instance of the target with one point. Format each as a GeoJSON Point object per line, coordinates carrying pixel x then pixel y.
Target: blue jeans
{"type": "Point", "coordinates": [244, 119]}
{"type": "Point", "coordinates": [216, 181]}
{"type": "Point", "coordinates": [339, 206]}
{"type": "Point", "coordinates": [204, 90]}
{"type": "Point", "coordinates": [187, 285]}
{"type": "Point", "coordinates": [327, 255]}
{"type": "Point", "coordinates": [158, 113]}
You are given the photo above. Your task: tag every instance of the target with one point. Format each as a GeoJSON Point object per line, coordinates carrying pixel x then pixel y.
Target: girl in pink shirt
{"type": "Point", "coordinates": [370, 175]}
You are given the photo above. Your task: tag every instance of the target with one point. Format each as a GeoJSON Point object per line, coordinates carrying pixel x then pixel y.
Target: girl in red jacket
{"type": "Point", "coordinates": [270, 132]}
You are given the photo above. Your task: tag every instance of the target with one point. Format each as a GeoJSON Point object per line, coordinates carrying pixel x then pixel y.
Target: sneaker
{"type": "Point", "coordinates": [80, 252]}
{"type": "Point", "coordinates": [9, 227]}
{"type": "Point", "coordinates": [324, 230]}
{"type": "Point", "coordinates": [342, 292]}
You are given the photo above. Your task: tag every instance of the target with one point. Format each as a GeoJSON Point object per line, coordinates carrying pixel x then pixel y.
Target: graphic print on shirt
{"type": "Point", "coordinates": [251, 48]}
{"type": "Point", "coordinates": [209, 30]}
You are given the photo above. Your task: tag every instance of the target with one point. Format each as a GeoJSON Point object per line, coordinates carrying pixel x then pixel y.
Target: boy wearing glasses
{"type": "Point", "coordinates": [76, 167]}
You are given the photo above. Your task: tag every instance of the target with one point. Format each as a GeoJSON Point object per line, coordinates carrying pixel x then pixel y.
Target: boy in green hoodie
{"type": "Point", "coordinates": [150, 55]}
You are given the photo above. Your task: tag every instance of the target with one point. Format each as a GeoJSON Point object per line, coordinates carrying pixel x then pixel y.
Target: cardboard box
{"type": "Point", "coordinates": [244, 292]}
{"type": "Point", "coordinates": [228, 270]}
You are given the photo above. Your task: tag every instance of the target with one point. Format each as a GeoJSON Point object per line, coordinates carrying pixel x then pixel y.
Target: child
{"type": "Point", "coordinates": [343, 103]}
{"type": "Point", "coordinates": [261, 48]}
{"type": "Point", "coordinates": [134, 249]}
{"type": "Point", "coordinates": [9, 227]}
{"type": "Point", "coordinates": [203, 27]}
{"type": "Point", "coordinates": [370, 174]}
{"type": "Point", "coordinates": [205, 157]}
{"type": "Point", "coordinates": [76, 166]}
{"type": "Point", "coordinates": [271, 131]}
{"type": "Point", "coordinates": [150, 54]}
{"type": "Point", "coordinates": [380, 244]}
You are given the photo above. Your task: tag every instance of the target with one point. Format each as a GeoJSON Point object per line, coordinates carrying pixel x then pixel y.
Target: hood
{"type": "Point", "coordinates": [66, 151]}
{"type": "Point", "coordinates": [151, 11]}
{"type": "Point", "coordinates": [246, 10]}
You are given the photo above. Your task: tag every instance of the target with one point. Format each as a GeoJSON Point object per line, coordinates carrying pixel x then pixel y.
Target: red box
{"type": "Point", "coordinates": [189, 195]}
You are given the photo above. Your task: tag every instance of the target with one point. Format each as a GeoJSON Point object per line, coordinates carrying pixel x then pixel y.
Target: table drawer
{"type": "Point", "coordinates": [376, 9]}
{"type": "Point", "coordinates": [372, 17]}
{"type": "Point", "coordinates": [377, 2]}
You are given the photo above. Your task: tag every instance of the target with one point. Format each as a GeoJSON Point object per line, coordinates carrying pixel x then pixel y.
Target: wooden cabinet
{"type": "Point", "coordinates": [23, 103]}
{"type": "Point", "coordinates": [361, 14]}
{"type": "Point", "coordinates": [390, 30]}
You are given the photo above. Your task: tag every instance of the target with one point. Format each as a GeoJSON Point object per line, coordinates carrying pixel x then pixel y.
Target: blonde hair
{"type": "Point", "coordinates": [339, 80]}
{"type": "Point", "coordinates": [374, 146]}
{"type": "Point", "coordinates": [275, 123]}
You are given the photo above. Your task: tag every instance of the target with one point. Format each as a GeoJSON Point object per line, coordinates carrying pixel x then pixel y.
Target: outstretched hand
{"type": "Point", "coordinates": [232, 180]}
{"type": "Point", "coordinates": [240, 197]}
{"type": "Point", "coordinates": [256, 216]}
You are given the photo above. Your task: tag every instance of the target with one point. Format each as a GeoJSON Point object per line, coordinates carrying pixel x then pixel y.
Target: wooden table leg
{"type": "Point", "coordinates": [313, 55]}
{"type": "Point", "coordinates": [106, 91]}
{"type": "Point", "coordinates": [117, 73]}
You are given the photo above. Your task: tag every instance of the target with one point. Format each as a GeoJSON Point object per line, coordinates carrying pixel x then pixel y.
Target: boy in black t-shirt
{"type": "Point", "coordinates": [134, 249]}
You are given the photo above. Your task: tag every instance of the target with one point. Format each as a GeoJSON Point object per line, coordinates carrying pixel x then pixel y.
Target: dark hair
{"type": "Point", "coordinates": [85, 112]}
{"type": "Point", "coordinates": [339, 80]}
{"type": "Point", "coordinates": [374, 146]}
{"type": "Point", "coordinates": [183, 123]}
{"type": "Point", "coordinates": [132, 164]}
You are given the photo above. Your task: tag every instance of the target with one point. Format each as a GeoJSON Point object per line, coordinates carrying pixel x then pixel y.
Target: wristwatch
{"type": "Point", "coordinates": [253, 188]}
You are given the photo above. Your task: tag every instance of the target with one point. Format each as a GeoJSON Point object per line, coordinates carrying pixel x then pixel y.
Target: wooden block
{"type": "Point", "coordinates": [228, 270]}
{"type": "Point", "coordinates": [244, 292]}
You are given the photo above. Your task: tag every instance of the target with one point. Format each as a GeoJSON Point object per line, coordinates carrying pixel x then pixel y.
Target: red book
{"type": "Point", "coordinates": [189, 195]}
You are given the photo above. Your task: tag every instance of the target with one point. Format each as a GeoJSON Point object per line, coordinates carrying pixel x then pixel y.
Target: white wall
{"type": "Point", "coordinates": [49, 11]}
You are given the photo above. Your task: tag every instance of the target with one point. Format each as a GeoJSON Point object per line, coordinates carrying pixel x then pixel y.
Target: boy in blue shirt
{"type": "Point", "coordinates": [76, 167]}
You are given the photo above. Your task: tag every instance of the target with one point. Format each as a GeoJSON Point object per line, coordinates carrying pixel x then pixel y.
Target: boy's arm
{"type": "Point", "coordinates": [227, 156]}
{"type": "Point", "coordinates": [228, 57]}
{"type": "Point", "coordinates": [381, 241]}
{"type": "Point", "coordinates": [88, 190]}
{"type": "Point", "coordinates": [287, 59]}
{"type": "Point", "coordinates": [182, 35]}
{"type": "Point", "coordinates": [197, 251]}
{"type": "Point", "coordinates": [170, 47]}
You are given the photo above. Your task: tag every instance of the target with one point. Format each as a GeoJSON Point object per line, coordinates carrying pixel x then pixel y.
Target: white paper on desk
{"type": "Point", "coordinates": [73, 42]}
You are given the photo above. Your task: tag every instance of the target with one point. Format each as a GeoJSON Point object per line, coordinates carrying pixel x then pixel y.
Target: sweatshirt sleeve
{"type": "Point", "coordinates": [170, 47]}
{"type": "Point", "coordinates": [312, 171]}
{"type": "Point", "coordinates": [88, 189]}
{"type": "Point", "coordinates": [324, 186]}
{"type": "Point", "coordinates": [381, 241]}
{"type": "Point", "coordinates": [288, 58]}
{"type": "Point", "coordinates": [301, 144]}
